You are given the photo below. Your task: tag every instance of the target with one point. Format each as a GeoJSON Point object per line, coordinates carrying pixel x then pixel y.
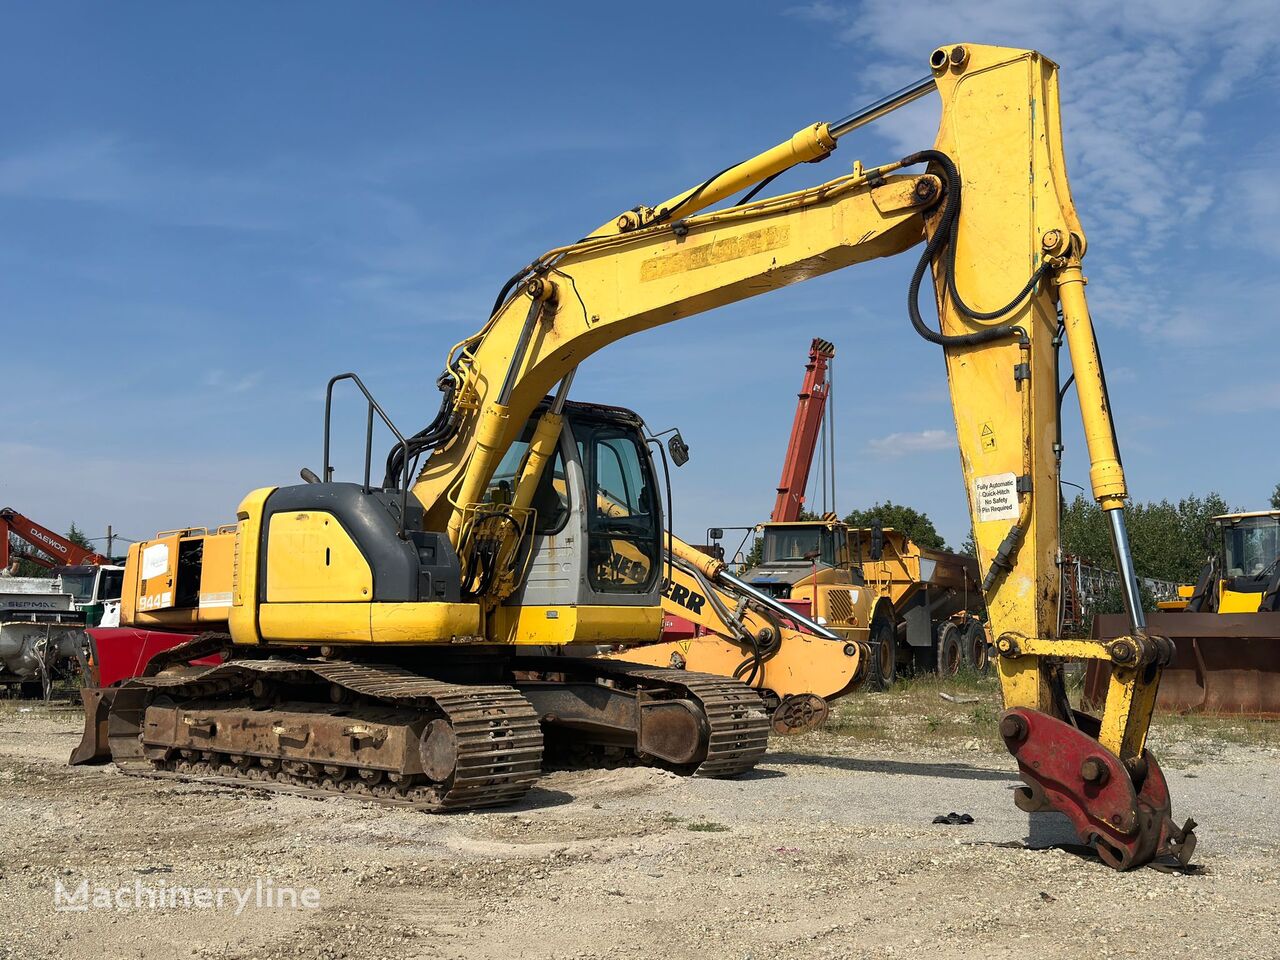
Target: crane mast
{"type": "Point", "coordinates": [805, 430]}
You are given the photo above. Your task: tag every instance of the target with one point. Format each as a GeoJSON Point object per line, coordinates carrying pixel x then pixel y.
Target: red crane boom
{"type": "Point", "coordinates": [810, 407]}
{"type": "Point", "coordinates": [55, 545]}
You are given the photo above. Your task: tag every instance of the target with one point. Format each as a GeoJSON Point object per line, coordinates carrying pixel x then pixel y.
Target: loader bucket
{"type": "Point", "coordinates": [93, 747]}
{"type": "Point", "coordinates": [1223, 663]}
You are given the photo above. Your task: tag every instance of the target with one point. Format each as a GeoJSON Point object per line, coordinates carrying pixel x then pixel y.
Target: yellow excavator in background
{"type": "Point", "coordinates": [424, 640]}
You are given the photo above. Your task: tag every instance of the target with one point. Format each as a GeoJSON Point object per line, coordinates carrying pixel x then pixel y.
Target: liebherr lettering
{"type": "Point", "coordinates": [691, 600]}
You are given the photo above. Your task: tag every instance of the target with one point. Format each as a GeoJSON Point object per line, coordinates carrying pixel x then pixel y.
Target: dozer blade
{"type": "Point", "coordinates": [93, 746]}
{"type": "Point", "coordinates": [1223, 663]}
{"type": "Point", "coordinates": [1121, 810]}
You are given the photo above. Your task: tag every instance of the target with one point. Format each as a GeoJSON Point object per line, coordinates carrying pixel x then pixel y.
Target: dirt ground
{"type": "Point", "coordinates": [826, 850]}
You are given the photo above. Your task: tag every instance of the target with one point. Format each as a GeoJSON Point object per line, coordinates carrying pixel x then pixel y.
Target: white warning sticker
{"type": "Point", "coordinates": [155, 560]}
{"type": "Point", "coordinates": [996, 497]}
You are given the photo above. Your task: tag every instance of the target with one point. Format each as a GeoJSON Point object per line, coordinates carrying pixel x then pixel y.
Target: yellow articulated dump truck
{"type": "Point", "coordinates": [920, 610]}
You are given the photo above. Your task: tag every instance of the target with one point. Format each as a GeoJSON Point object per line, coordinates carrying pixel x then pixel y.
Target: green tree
{"type": "Point", "coordinates": [1275, 498]}
{"type": "Point", "coordinates": [913, 523]}
{"type": "Point", "coordinates": [1169, 540]}
{"type": "Point", "coordinates": [76, 536]}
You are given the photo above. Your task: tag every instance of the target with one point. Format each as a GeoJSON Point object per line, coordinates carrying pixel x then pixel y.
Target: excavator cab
{"type": "Point", "coordinates": [596, 524]}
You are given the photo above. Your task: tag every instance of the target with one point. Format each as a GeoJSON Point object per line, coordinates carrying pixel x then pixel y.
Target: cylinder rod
{"type": "Point", "coordinates": [874, 111]}
{"type": "Point", "coordinates": [741, 586]}
{"type": "Point", "coordinates": [1124, 565]}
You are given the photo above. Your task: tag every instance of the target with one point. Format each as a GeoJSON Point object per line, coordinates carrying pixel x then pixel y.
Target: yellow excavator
{"type": "Point", "coordinates": [426, 640]}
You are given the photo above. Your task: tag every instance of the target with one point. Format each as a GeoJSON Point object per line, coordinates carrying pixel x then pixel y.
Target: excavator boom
{"type": "Point", "coordinates": [63, 551]}
{"type": "Point", "coordinates": [486, 557]}
{"type": "Point", "coordinates": [1004, 250]}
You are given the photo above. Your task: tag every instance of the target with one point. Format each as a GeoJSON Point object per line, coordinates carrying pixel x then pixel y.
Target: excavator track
{"type": "Point", "coordinates": [737, 724]}
{"type": "Point", "coordinates": [480, 746]}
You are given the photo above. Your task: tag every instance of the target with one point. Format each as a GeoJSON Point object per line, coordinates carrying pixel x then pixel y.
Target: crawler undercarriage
{"type": "Point", "coordinates": [388, 733]}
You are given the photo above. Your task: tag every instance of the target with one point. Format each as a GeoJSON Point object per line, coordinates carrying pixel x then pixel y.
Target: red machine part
{"type": "Point", "coordinates": [63, 551]}
{"type": "Point", "coordinates": [804, 434]}
{"type": "Point", "coordinates": [122, 653]}
{"type": "Point", "coordinates": [1122, 810]}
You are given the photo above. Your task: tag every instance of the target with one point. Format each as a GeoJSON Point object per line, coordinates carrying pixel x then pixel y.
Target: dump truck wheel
{"type": "Point", "coordinates": [884, 654]}
{"type": "Point", "coordinates": [973, 640]}
{"type": "Point", "coordinates": [949, 656]}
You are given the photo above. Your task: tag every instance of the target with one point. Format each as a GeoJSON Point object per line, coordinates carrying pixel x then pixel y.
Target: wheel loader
{"type": "Point", "coordinates": [427, 637]}
{"type": "Point", "coordinates": [1225, 627]}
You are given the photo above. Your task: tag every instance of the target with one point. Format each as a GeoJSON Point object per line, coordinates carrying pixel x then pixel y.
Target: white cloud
{"type": "Point", "coordinates": [1142, 85]}
{"type": "Point", "coordinates": [221, 381]}
{"type": "Point", "coordinates": [1256, 397]}
{"type": "Point", "coordinates": [902, 444]}
{"type": "Point", "coordinates": [1137, 81]}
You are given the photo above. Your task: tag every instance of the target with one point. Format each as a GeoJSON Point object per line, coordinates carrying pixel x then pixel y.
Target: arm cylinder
{"type": "Point", "coordinates": [1106, 474]}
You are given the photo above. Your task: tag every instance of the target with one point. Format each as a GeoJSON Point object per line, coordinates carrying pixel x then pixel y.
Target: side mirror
{"type": "Point", "coordinates": [679, 449]}
{"type": "Point", "coordinates": [877, 540]}
{"type": "Point", "coordinates": [715, 533]}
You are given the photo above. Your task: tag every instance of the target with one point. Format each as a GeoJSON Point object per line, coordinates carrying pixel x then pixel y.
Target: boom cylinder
{"type": "Point", "coordinates": [762, 598]}
{"type": "Point", "coordinates": [714, 570]}
{"type": "Point", "coordinates": [874, 111]}
{"type": "Point", "coordinates": [542, 446]}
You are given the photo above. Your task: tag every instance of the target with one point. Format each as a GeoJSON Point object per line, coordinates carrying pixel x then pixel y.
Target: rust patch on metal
{"type": "Point", "coordinates": [799, 713]}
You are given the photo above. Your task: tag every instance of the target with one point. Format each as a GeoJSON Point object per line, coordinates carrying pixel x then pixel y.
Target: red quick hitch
{"type": "Point", "coordinates": [1121, 810]}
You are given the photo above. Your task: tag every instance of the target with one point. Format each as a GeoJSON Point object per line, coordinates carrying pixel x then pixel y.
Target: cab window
{"type": "Point", "coordinates": [550, 499]}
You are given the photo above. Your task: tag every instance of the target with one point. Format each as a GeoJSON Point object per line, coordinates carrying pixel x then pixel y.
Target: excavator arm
{"type": "Point", "coordinates": [796, 664]}
{"type": "Point", "coordinates": [991, 203]}
{"type": "Point", "coordinates": [61, 549]}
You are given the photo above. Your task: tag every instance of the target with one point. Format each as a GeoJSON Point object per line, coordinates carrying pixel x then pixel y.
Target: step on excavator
{"type": "Point", "coordinates": [425, 640]}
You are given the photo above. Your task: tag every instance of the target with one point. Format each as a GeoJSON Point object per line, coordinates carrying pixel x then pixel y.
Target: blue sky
{"type": "Point", "coordinates": [209, 210]}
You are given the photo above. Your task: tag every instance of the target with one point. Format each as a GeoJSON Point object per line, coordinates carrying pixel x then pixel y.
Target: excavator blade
{"type": "Point", "coordinates": [1121, 810]}
{"type": "Point", "coordinates": [93, 747]}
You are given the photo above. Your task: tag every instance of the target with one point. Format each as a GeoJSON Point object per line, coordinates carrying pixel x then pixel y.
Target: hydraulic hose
{"type": "Point", "coordinates": [436, 432]}
{"type": "Point", "coordinates": [945, 237]}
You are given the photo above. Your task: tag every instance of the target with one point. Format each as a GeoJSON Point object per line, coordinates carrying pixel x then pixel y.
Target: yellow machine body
{"type": "Point", "coordinates": [179, 579]}
{"type": "Point", "coordinates": [1000, 119]}
{"type": "Point", "coordinates": [478, 543]}
{"type": "Point", "coordinates": [481, 550]}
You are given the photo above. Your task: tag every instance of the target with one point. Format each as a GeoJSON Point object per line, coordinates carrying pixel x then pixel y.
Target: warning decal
{"type": "Point", "coordinates": [988, 438]}
{"type": "Point", "coordinates": [996, 497]}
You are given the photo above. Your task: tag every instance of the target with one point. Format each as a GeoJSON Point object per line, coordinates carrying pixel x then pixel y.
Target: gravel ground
{"type": "Point", "coordinates": [826, 850]}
